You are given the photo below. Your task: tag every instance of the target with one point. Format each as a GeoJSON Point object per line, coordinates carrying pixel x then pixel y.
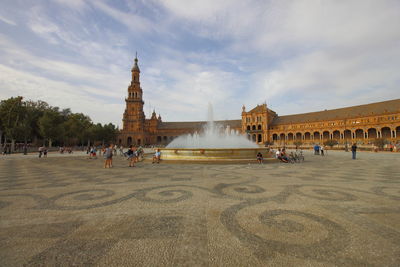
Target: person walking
{"type": "Point", "coordinates": [321, 148]}
{"type": "Point", "coordinates": [131, 156]}
{"type": "Point", "coordinates": [354, 150]}
{"type": "Point", "coordinates": [108, 153]}
{"type": "Point", "coordinates": [40, 151]}
{"type": "Point", "coordinates": [316, 149]}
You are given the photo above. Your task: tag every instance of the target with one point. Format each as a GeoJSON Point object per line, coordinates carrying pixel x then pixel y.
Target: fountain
{"type": "Point", "coordinates": [213, 143]}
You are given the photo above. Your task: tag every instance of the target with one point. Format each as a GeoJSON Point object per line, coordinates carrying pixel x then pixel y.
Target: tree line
{"type": "Point", "coordinates": [38, 123]}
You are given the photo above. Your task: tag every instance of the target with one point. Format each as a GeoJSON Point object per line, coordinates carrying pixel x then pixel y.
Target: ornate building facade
{"type": "Point", "coordinates": [361, 124]}
{"type": "Point", "coordinates": [358, 124]}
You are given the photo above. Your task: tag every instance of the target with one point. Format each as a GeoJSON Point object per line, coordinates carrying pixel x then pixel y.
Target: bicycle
{"type": "Point", "coordinates": [292, 158]}
{"type": "Point", "coordinates": [300, 156]}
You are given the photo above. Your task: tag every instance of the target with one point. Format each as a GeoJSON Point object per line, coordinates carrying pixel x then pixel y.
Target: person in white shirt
{"type": "Point", "coordinates": [156, 157]}
{"type": "Point", "coordinates": [278, 153]}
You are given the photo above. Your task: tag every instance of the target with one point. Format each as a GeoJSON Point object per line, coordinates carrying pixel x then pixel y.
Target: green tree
{"type": "Point", "coordinates": [104, 133]}
{"type": "Point", "coordinates": [331, 142]}
{"type": "Point", "coordinates": [12, 112]}
{"type": "Point", "coordinates": [380, 142]}
{"type": "Point", "coordinates": [50, 126]}
{"type": "Point", "coordinates": [297, 143]}
{"type": "Point", "coordinates": [268, 143]}
{"type": "Point", "coordinates": [77, 128]}
{"type": "Point", "coordinates": [1, 130]}
{"type": "Point", "coordinates": [109, 132]}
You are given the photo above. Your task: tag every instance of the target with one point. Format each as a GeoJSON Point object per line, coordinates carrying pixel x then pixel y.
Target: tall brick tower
{"type": "Point", "coordinates": [134, 118]}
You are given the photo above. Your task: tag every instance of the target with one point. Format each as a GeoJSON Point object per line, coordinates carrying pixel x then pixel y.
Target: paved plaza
{"type": "Point", "coordinates": [327, 211]}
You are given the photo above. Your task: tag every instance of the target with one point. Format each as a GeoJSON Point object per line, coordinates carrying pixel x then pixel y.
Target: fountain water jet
{"type": "Point", "coordinates": [213, 143]}
{"type": "Point", "coordinates": [212, 136]}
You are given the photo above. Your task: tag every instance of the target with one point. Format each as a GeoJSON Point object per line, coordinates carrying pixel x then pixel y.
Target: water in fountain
{"type": "Point", "coordinates": [213, 136]}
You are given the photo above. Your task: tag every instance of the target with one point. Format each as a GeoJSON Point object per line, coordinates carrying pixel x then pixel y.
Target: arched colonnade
{"type": "Point", "coordinates": [356, 134]}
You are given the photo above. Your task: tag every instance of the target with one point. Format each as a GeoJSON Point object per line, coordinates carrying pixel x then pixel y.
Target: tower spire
{"type": "Point", "coordinates": [135, 65]}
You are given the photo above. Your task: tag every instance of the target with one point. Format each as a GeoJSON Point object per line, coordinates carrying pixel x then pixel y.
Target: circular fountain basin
{"type": "Point", "coordinates": [213, 154]}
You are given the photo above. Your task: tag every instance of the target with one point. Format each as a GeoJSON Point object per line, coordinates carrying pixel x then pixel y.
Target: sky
{"type": "Point", "coordinates": [296, 56]}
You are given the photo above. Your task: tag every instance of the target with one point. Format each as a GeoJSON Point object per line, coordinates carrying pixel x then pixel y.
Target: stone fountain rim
{"type": "Point", "coordinates": [210, 149]}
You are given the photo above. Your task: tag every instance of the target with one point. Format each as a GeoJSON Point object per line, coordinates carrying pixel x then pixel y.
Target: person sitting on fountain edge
{"type": "Point", "coordinates": [283, 157]}
{"type": "Point", "coordinates": [259, 157]}
{"type": "Point", "coordinates": [156, 157]}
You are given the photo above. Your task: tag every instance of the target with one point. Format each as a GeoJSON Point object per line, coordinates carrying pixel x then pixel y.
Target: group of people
{"type": "Point", "coordinates": [133, 155]}
{"type": "Point", "coordinates": [65, 150]}
{"type": "Point", "coordinates": [42, 151]}
{"type": "Point", "coordinates": [319, 150]}
{"type": "Point", "coordinates": [281, 155]}
{"type": "Point", "coordinates": [6, 149]}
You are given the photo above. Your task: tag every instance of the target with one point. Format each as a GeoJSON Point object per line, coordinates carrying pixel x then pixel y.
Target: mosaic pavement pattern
{"type": "Point", "coordinates": [327, 211]}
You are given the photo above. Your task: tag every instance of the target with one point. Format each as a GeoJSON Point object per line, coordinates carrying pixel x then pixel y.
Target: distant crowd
{"type": "Point", "coordinates": [133, 154]}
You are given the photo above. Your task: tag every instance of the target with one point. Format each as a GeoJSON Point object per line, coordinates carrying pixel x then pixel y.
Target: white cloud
{"type": "Point", "coordinates": [78, 5]}
{"type": "Point", "coordinates": [183, 90]}
{"type": "Point", "coordinates": [130, 20]}
{"type": "Point", "coordinates": [289, 53]}
{"type": "Point", "coordinates": [7, 20]}
{"type": "Point", "coordinates": [15, 82]}
{"type": "Point", "coordinates": [99, 77]}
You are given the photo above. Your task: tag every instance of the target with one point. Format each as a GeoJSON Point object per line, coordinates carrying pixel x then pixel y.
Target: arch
{"type": "Point", "coordinates": [336, 134]}
{"type": "Point", "coordinates": [282, 136]}
{"type": "Point", "coordinates": [253, 128]}
{"type": "Point", "coordinates": [347, 134]}
{"type": "Point", "coordinates": [290, 136]}
{"type": "Point", "coordinates": [248, 127]}
{"type": "Point", "coordinates": [165, 138]}
{"type": "Point", "coordinates": [159, 139]}
{"type": "Point", "coordinates": [274, 137]}
{"type": "Point", "coordinates": [259, 127]}
{"type": "Point", "coordinates": [129, 141]}
{"type": "Point", "coordinates": [139, 142]}
{"type": "Point", "coordinates": [307, 136]}
{"type": "Point", "coordinates": [359, 133]}
{"type": "Point", "coordinates": [316, 135]}
{"type": "Point", "coordinates": [397, 130]}
{"type": "Point", "coordinates": [385, 132]}
{"type": "Point", "coordinates": [254, 138]}
{"type": "Point", "coordinates": [372, 133]}
{"type": "Point", "coordinates": [298, 136]}
{"type": "Point", "coordinates": [325, 135]}
{"type": "Point", "coordinates": [259, 139]}
{"type": "Point", "coordinates": [119, 141]}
